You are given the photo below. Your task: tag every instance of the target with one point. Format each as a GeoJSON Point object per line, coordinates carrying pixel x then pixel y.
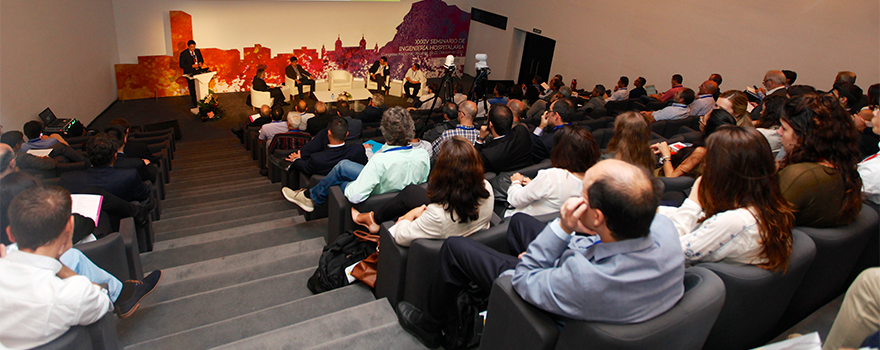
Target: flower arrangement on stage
{"type": "Point", "coordinates": [346, 94]}
{"type": "Point", "coordinates": [209, 107]}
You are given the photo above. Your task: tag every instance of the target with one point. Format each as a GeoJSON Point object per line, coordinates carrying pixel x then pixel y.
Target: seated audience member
{"type": "Point", "coordinates": [378, 72]}
{"type": "Point", "coordinates": [819, 173]}
{"type": "Point", "coordinates": [61, 151]}
{"type": "Point", "coordinates": [465, 128]}
{"type": "Point", "coordinates": [417, 143]}
{"type": "Point", "coordinates": [136, 149]}
{"type": "Point", "coordinates": [515, 93]}
{"type": "Point", "coordinates": [374, 110]}
{"type": "Point", "coordinates": [395, 166]}
{"type": "Point", "coordinates": [845, 77]}
{"type": "Point", "coordinates": [773, 84]}
{"type": "Point", "coordinates": [574, 152]}
{"type": "Point", "coordinates": [678, 109]}
{"type": "Point", "coordinates": [428, 100]}
{"type": "Point", "coordinates": [620, 91]}
{"type": "Point", "coordinates": [146, 170]}
{"type": "Point", "coordinates": [27, 162]}
{"type": "Point", "coordinates": [869, 169]}
{"type": "Point", "coordinates": [355, 126]}
{"type": "Point", "coordinates": [7, 160]}
{"type": "Point", "coordinates": [498, 95]}
{"type": "Point", "coordinates": [858, 319]}
{"type": "Point", "coordinates": [300, 76]}
{"type": "Point", "coordinates": [676, 82]}
{"type": "Point", "coordinates": [688, 161]}
{"type": "Point", "coordinates": [717, 79]}
{"type": "Point", "coordinates": [790, 77]}
{"type": "Point", "coordinates": [849, 95]}
{"type": "Point", "coordinates": [872, 103]}
{"type": "Point", "coordinates": [276, 126]}
{"type": "Point", "coordinates": [412, 82]}
{"type": "Point", "coordinates": [634, 275]}
{"type": "Point", "coordinates": [519, 109]}
{"type": "Point", "coordinates": [595, 99]}
{"type": "Point", "coordinates": [869, 142]}
{"type": "Point", "coordinates": [131, 291]}
{"type": "Point", "coordinates": [632, 141]}
{"type": "Point", "coordinates": [800, 90]}
{"type": "Point", "coordinates": [639, 89]}
{"type": "Point", "coordinates": [260, 85]}
{"type": "Point", "coordinates": [123, 183]}
{"type": "Point", "coordinates": [509, 149]}
{"type": "Point", "coordinates": [705, 101]}
{"type": "Point", "coordinates": [333, 151]}
{"type": "Point", "coordinates": [555, 84]}
{"type": "Point", "coordinates": [533, 91]}
{"type": "Point", "coordinates": [459, 95]}
{"type": "Point", "coordinates": [320, 120]}
{"type": "Point", "coordinates": [458, 201]}
{"type": "Point", "coordinates": [450, 120]}
{"type": "Point", "coordinates": [259, 119]}
{"type": "Point", "coordinates": [736, 103]}
{"type": "Point", "coordinates": [42, 298]}
{"type": "Point", "coordinates": [737, 216]}
{"type": "Point", "coordinates": [768, 123]}
{"type": "Point", "coordinates": [561, 113]}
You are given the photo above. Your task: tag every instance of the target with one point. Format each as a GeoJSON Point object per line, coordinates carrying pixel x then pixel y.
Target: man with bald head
{"type": "Point", "coordinates": [519, 109]}
{"type": "Point", "coordinates": [774, 84]}
{"type": "Point", "coordinates": [705, 101]}
{"type": "Point", "coordinates": [608, 258]}
{"type": "Point", "coordinates": [465, 128]}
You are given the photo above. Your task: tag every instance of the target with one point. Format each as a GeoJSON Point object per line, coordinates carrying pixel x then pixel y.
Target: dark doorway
{"type": "Point", "coordinates": [536, 58]}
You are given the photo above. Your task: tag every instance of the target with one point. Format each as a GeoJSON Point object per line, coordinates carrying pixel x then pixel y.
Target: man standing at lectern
{"type": "Point", "coordinates": [191, 61]}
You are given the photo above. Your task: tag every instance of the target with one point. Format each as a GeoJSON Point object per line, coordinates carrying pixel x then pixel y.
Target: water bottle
{"type": "Point", "coordinates": [332, 96]}
{"type": "Point", "coordinates": [574, 84]}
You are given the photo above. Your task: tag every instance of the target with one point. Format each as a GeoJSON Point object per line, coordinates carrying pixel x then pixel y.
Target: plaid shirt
{"type": "Point", "coordinates": [468, 132]}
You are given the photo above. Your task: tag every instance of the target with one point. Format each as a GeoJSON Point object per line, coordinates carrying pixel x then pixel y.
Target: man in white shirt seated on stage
{"type": "Point", "coordinates": [42, 298]}
{"type": "Point", "coordinates": [413, 82]}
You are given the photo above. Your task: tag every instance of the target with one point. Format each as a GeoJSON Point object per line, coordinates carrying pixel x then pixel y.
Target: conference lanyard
{"type": "Point", "coordinates": [462, 127]}
{"type": "Point", "coordinates": [397, 149]}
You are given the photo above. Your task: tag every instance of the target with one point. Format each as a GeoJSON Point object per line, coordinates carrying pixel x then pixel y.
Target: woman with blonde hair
{"type": "Point", "coordinates": [736, 103]}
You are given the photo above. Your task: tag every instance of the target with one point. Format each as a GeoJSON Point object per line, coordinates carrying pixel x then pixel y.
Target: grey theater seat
{"type": "Point", "coordinates": [100, 335]}
{"type": "Point", "coordinates": [512, 323]}
{"type": "Point", "coordinates": [756, 298]}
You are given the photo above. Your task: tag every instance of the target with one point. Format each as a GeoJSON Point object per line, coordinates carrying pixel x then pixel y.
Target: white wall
{"type": "Point", "coordinates": [279, 25]}
{"type": "Point", "coordinates": [596, 42]}
{"type": "Point", "coordinates": [56, 54]}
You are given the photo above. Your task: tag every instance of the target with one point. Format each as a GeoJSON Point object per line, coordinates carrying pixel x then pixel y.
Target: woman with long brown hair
{"type": "Point", "coordinates": [632, 140]}
{"type": "Point", "coordinates": [819, 175]}
{"type": "Point", "coordinates": [458, 201]}
{"type": "Point", "coordinates": [736, 211]}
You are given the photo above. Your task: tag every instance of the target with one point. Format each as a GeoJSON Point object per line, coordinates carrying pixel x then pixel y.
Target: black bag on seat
{"type": "Point", "coordinates": [464, 324]}
{"type": "Point", "coordinates": [342, 253]}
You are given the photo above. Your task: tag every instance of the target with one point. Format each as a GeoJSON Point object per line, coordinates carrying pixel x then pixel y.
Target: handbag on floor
{"type": "Point", "coordinates": [365, 271]}
{"type": "Point", "coordinates": [346, 251]}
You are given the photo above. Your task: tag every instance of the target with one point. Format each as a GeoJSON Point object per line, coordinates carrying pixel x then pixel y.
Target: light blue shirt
{"type": "Point", "coordinates": [580, 278]}
{"type": "Point", "coordinates": [702, 105]}
{"type": "Point", "coordinates": [390, 170]}
{"type": "Point", "coordinates": [676, 111]}
{"type": "Point", "coordinates": [37, 143]}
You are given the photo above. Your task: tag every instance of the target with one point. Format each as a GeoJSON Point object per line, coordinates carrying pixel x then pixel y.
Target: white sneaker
{"type": "Point", "coordinates": [298, 197]}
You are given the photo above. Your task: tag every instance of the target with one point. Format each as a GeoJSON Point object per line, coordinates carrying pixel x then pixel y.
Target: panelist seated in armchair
{"type": "Point", "coordinates": [395, 166]}
{"type": "Point", "coordinates": [609, 258]}
{"type": "Point", "coordinates": [458, 201]}
{"type": "Point", "coordinates": [260, 85]}
{"type": "Point", "coordinates": [300, 76]}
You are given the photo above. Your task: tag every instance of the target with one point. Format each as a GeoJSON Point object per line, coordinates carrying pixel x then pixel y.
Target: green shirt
{"type": "Point", "coordinates": [390, 170]}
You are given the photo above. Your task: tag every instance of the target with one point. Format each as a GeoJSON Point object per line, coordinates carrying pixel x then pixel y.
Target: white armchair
{"type": "Point", "coordinates": [340, 80]}
{"type": "Point", "coordinates": [260, 98]}
{"type": "Point", "coordinates": [292, 89]}
{"type": "Point", "coordinates": [371, 85]}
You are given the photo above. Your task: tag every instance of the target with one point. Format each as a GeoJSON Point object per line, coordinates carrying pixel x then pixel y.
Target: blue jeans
{"type": "Point", "coordinates": [342, 173]}
{"type": "Point", "coordinates": [80, 263]}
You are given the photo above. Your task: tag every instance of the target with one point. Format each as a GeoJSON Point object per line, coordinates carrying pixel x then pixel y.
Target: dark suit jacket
{"type": "Point", "coordinates": [123, 183]}
{"type": "Point", "coordinates": [512, 152]}
{"type": "Point", "coordinates": [140, 150]}
{"type": "Point", "coordinates": [260, 85]}
{"type": "Point", "coordinates": [186, 60]}
{"type": "Point", "coordinates": [542, 145]}
{"type": "Point", "coordinates": [145, 172]}
{"type": "Point", "coordinates": [434, 133]}
{"type": "Point", "coordinates": [370, 114]}
{"type": "Point", "coordinates": [355, 128]}
{"type": "Point", "coordinates": [756, 112]}
{"type": "Point", "coordinates": [291, 72]}
{"type": "Point", "coordinates": [638, 92]}
{"type": "Point", "coordinates": [317, 123]}
{"type": "Point", "coordinates": [375, 68]}
{"type": "Point", "coordinates": [322, 162]}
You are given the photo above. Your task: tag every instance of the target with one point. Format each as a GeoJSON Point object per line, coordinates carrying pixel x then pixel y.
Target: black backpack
{"type": "Point", "coordinates": [464, 324]}
{"type": "Point", "coordinates": [345, 251]}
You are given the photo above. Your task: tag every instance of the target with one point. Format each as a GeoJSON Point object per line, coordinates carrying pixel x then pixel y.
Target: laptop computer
{"type": "Point", "coordinates": [49, 119]}
{"type": "Point", "coordinates": [650, 89]}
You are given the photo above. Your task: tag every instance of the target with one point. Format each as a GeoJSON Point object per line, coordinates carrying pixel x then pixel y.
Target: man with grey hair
{"type": "Point", "coordinates": [845, 77]}
{"type": "Point", "coordinates": [396, 165]}
{"type": "Point", "coordinates": [374, 110]}
{"type": "Point", "coordinates": [774, 84]}
{"type": "Point", "coordinates": [634, 275]}
{"type": "Point", "coordinates": [256, 120]}
{"type": "Point", "coordinates": [705, 102]}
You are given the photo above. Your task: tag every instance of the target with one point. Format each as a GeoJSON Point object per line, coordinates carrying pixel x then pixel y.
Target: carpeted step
{"type": "Point", "coordinates": [230, 201]}
{"type": "Point", "coordinates": [180, 281]}
{"type": "Point", "coordinates": [153, 321]}
{"type": "Point", "coordinates": [322, 329]}
{"type": "Point", "coordinates": [260, 189]}
{"type": "Point", "coordinates": [185, 232]}
{"type": "Point", "coordinates": [217, 189]}
{"type": "Point", "coordinates": [182, 176]}
{"type": "Point", "coordinates": [231, 232]}
{"type": "Point", "coordinates": [262, 321]}
{"type": "Point", "coordinates": [226, 153]}
{"type": "Point", "coordinates": [205, 144]}
{"type": "Point", "coordinates": [386, 336]}
{"type": "Point", "coordinates": [222, 215]}
{"type": "Point", "coordinates": [192, 253]}
{"type": "Point", "coordinates": [215, 166]}
{"type": "Point", "coordinates": [216, 179]}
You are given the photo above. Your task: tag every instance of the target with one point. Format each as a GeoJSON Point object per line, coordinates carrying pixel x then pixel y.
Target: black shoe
{"type": "Point", "coordinates": [133, 291]}
{"type": "Point", "coordinates": [284, 104]}
{"type": "Point", "coordinates": [415, 322]}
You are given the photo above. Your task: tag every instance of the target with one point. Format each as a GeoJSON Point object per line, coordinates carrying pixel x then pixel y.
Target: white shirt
{"type": "Point", "coordinates": [417, 76]}
{"type": "Point", "coordinates": [773, 138]}
{"type": "Point", "coordinates": [458, 98]}
{"type": "Point", "coordinates": [37, 306]}
{"type": "Point", "coordinates": [426, 101]}
{"type": "Point", "coordinates": [732, 235]}
{"type": "Point", "coordinates": [673, 112]}
{"type": "Point", "coordinates": [544, 194]}
{"type": "Point", "coordinates": [619, 95]}
{"type": "Point", "coordinates": [436, 222]}
{"type": "Point", "coordinates": [869, 170]}
{"type": "Point", "coordinates": [304, 120]}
